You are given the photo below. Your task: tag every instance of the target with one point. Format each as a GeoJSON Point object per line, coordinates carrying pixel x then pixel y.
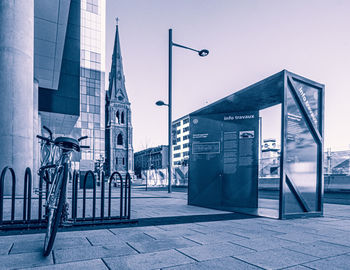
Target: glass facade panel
{"type": "Point", "coordinates": [92, 64]}
{"type": "Point", "coordinates": [310, 97]}
{"type": "Point", "coordinates": [301, 163]}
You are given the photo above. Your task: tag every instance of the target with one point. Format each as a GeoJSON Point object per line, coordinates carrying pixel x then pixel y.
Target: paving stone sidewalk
{"type": "Point", "coordinates": [254, 243]}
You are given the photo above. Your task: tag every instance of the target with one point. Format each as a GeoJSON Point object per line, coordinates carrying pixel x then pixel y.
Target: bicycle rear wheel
{"type": "Point", "coordinates": [55, 210]}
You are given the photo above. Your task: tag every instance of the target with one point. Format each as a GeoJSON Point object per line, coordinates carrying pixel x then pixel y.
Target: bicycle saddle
{"type": "Point", "coordinates": [67, 143]}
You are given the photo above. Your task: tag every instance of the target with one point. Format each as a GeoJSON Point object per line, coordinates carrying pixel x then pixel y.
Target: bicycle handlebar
{"type": "Point", "coordinates": [82, 138]}
{"type": "Point", "coordinates": [49, 131]}
{"type": "Point", "coordinates": [49, 140]}
{"type": "Point", "coordinates": [44, 138]}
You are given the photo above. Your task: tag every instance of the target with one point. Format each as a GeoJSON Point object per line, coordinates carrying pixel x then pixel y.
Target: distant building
{"type": "Point", "coordinates": [337, 162]}
{"type": "Point", "coordinates": [119, 147]}
{"type": "Point", "coordinates": [151, 158]}
{"type": "Point", "coordinates": [181, 141]}
{"type": "Point", "coordinates": [270, 158]}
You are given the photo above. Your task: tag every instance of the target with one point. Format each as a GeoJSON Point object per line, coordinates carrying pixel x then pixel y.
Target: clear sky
{"type": "Point", "coordinates": [248, 41]}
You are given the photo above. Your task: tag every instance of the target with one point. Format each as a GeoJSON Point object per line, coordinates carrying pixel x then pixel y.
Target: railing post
{"type": "Point", "coordinates": [40, 199]}
{"type": "Point", "coordinates": [25, 195]}
{"type": "Point", "coordinates": [121, 197]}
{"type": "Point", "coordinates": [29, 209]}
{"type": "Point", "coordinates": [47, 187]}
{"type": "Point", "coordinates": [110, 194]}
{"type": "Point", "coordinates": [74, 194]}
{"type": "Point", "coordinates": [77, 178]}
{"type": "Point", "coordinates": [129, 194]}
{"type": "Point", "coordinates": [126, 195]}
{"type": "Point", "coordinates": [13, 195]}
{"type": "Point", "coordinates": [94, 194]}
{"type": "Point", "coordinates": [27, 191]}
{"type": "Point", "coordinates": [84, 194]}
{"type": "Point", "coordinates": [102, 182]}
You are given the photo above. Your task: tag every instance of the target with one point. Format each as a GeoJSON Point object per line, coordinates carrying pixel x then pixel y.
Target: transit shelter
{"type": "Point", "coordinates": [225, 146]}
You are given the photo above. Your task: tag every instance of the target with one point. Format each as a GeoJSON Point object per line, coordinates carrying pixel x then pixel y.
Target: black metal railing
{"type": "Point", "coordinates": [118, 198]}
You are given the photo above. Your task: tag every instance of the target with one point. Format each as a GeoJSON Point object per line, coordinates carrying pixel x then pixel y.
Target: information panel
{"type": "Point", "coordinates": [301, 153]}
{"type": "Point", "coordinates": [223, 170]}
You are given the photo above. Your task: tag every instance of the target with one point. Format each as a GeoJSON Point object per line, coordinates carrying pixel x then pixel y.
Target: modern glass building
{"type": "Point", "coordinates": [92, 74]}
{"type": "Point", "coordinates": [52, 58]}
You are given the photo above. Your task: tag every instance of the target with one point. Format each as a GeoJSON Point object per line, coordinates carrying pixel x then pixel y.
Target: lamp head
{"type": "Point", "coordinates": [160, 103]}
{"type": "Point", "coordinates": [203, 53]}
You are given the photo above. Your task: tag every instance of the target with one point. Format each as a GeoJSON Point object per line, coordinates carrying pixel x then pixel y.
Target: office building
{"type": "Point", "coordinates": [181, 135]}
{"type": "Point", "coordinates": [153, 158]}
{"type": "Point", "coordinates": [52, 73]}
{"type": "Point", "coordinates": [92, 77]}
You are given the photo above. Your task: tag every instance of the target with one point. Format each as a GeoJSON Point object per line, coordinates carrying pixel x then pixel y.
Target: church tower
{"type": "Point", "coordinates": [119, 150]}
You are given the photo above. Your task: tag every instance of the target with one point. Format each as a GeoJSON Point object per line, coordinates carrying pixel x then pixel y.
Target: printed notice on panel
{"type": "Point", "coordinates": [246, 147]}
{"type": "Point", "coordinates": [230, 152]}
{"type": "Point", "coordinates": [206, 148]}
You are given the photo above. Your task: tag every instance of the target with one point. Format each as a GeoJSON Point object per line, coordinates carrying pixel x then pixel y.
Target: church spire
{"type": "Point", "coordinates": [116, 89]}
{"type": "Point", "coordinates": [118, 132]}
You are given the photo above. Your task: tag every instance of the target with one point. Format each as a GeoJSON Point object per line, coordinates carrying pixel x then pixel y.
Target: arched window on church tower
{"type": "Point", "coordinates": [118, 117]}
{"type": "Point", "coordinates": [120, 139]}
{"type": "Point", "coordinates": [123, 118]}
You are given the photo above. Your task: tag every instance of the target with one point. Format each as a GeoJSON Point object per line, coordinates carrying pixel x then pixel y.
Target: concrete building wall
{"type": "Point", "coordinates": [16, 84]}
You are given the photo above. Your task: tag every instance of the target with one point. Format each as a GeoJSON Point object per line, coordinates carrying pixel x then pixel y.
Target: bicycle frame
{"type": "Point", "coordinates": [64, 158]}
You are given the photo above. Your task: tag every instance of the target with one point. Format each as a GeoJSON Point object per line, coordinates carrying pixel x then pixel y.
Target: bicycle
{"type": "Point", "coordinates": [55, 161]}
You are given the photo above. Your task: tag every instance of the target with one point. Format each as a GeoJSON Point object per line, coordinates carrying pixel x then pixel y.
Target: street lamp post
{"type": "Point", "coordinates": [201, 53]}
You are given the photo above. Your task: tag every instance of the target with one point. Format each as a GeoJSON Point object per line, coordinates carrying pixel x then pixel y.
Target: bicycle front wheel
{"type": "Point", "coordinates": [55, 208]}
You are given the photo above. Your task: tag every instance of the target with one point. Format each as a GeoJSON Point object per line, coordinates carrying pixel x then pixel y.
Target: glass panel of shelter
{"type": "Point", "coordinates": [269, 160]}
{"type": "Point", "coordinates": [300, 189]}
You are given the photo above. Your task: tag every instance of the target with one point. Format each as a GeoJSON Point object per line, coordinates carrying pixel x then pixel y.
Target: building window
{"type": "Point", "coordinates": [123, 118]}
{"type": "Point", "coordinates": [123, 161]}
{"type": "Point", "coordinates": [185, 121]}
{"type": "Point", "coordinates": [177, 147]}
{"type": "Point", "coordinates": [186, 129]}
{"type": "Point", "coordinates": [118, 117]}
{"type": "Point", "coordinates": [92, 6]}
{"type": "Point", "coordinates": [175, 125]}
{"type": "Point", "coordinates": [116, 161]}
{"type": "Point", "coordinates": [177, 155]}
{"type": "Point", "coordinates": [120, 139]}
{"type": "Point", "coordinates": [178, 139]}
{"type": "Point", "coordinates": [178, 131]}
{"type": "Point", "coordinates": [185, 145]}
{"type": "Point", "coordinates": [185, 137]}
{"type": "Point", "coordinates": [185, 154]}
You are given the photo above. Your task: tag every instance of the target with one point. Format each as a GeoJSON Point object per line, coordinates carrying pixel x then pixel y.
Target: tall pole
{"type": "Point", "coordinates": [169, 109]}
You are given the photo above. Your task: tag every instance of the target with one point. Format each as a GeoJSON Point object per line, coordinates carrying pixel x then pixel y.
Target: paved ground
{"type": "Point", "coordinates": [254, 243]}
{"type": "Point", "coordinates": [146, 204]}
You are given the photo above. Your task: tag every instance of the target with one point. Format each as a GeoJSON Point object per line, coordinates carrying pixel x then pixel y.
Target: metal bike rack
{"type": "Point", "coordinates": [25, 221]}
